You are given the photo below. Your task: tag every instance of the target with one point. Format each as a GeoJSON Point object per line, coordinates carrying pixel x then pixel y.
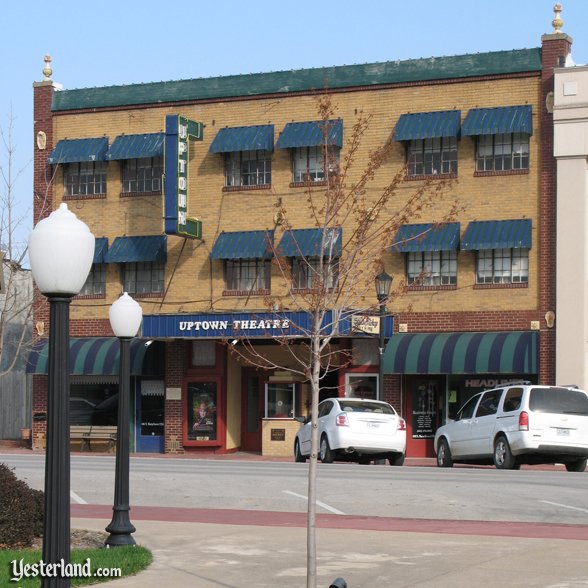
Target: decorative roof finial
{"type": "Point", "coordinates": [557, 22]}
{"type": "Point", "coordinates": [47, 71]}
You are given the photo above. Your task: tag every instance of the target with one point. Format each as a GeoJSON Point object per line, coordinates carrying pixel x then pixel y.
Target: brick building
{"type": "Point", "coordinates": [477, 290]}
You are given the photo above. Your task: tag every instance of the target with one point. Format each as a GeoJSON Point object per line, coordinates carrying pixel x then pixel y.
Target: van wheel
{"type": "Point", "coordinates": [579, 465]}
{"type": "Point", "coordinates": [444, 459]}
{"type": "Point", "coordinates": [298, 457]}
{"type": "Point", "coordinates": [325, 452]}
{"type": "Point", "coordinates": [503, 457]}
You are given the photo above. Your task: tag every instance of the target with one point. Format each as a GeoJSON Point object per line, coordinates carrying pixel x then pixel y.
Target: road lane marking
{"type": "Point", "coordinates": [76, 498]}
{"type": "Point", "coordinates": [564, 506]}
{"type": "Point", "coordinates": [318, 502]}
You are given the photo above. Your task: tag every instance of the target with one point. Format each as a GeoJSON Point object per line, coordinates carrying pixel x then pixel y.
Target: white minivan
{"type": "Point", "coordinates": [518, 424]}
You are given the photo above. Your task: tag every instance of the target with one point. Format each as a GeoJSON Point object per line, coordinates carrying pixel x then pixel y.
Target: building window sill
{"type": "Point", "coordinates": [246, 293]}
{"type": "Point", "coordinates": [135, 194]}
{"type": "Point", "coordinates": [501, 286]}
{"type": "Point", "coordinates": [414, 178]}
{"type": "Point", "coordinates": [246, 188]}
{"type": "Point", "coordinates": [419, 288]}
{"type": "Point", "coordinates": [85, 197]}
{"type": "Point", "coordinates": [308, 184]}
{"type": "Point", "coordinates": [510, 172]}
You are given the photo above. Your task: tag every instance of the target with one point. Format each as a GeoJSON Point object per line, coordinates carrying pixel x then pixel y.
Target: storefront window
{"type": "Point", "coordinates": [280, 401]}
{"type": "Point", "coordinates": [202, 405]}
{"type": "Point", "coordinates": [361, 386]}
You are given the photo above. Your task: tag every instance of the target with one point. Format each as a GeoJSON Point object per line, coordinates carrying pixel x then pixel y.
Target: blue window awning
{"type": "Point", "coordinates": [243, 245]}
{"type": "Point", "coordinates": [427, 125]}
{"type": "Point", "coordinates": [136, 146]}
{"type": "Point", "coordinates": [79, 150]}
{"type": "Point", "coordinates": [100, 249]}
{"type": "Point", "coordinates": [462, 353]}
{"type": "Point", "coordinates": [231, 139]}
{"type": "Point", "coordinates": [98, 356]}
{"type": "Point", "coordinates": [507, 234]}
{"type": "Point", "coordinates": [494, 121]}
{"type": "Point", "coordinates": [426, 237]}
{"type": "Point", "coordinates": [137, 249]}
{"type": "Point", "coordinates": [311, 134]}
{"type": "Point", "coordinates": [307, 243]}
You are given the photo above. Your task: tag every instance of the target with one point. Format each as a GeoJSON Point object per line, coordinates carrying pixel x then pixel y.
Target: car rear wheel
{"type": "Point", "coordinates": [325, 453]}
{"type": "Point", "coordinates": [579, 465]}
{"type": "Point", "coordinates": [444, 459]}
{"type": "Point", "coordinates": [396, 459]}
{"type": "Point", "coordinates": [298, 457]}
{"type": "Point", "coordinates": [503, 457]}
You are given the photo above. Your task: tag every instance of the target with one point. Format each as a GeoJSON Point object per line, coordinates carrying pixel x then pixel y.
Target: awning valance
{"type": "Point", "coordinates": [307, 243]}
{"type": "Point", "coordinates": [253, 138]}
{"type": "Point", "coordinates": [494, 121]}
{"type": "Point", "coordinates": [137, 249]}
{"type": "Point", "coordinates": [97, 356]}
{"type": "Point", "coordinates": [243, 245]}
{"type": "Point", "coordinates": [426, 237]}
{"type": "Point", "coordinates": [462, 353]}
{"type": "Point", "coordinates": [100, 249]}
{"type": "Point", "coordinates": [427, 125]}
{"type": "Point", "coordinates": [311, 134]}
{"type": "Point", "coordinates": [136, 146]}
{"type": "Point", "coordinates": [507, 234]}
{"type": "Point", "coordinates": [79, 150]}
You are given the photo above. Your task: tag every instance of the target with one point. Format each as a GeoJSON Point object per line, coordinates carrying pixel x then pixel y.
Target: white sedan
{"type": "Point", "coordinates": [354, 429]}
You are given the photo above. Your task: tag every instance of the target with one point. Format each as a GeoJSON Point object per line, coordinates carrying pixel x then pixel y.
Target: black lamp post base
{"type": "Point", "coordinates": [120, 529]}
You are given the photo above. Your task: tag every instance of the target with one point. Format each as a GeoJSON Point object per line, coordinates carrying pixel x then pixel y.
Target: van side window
{"type": "Point", "coordinates": [512, 400]}
{"type": "Point", "coordinates": [489, 403]}
{"type": "Point", "coordinates": [467, 410]}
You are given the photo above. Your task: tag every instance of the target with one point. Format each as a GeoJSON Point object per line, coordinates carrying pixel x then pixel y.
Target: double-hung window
{"type": "Point", "coordinates": [432, 268]}
{"type": "Point", "coordinates": [146, 277]}
{"type": "Point", "coordinates": [96, 281]}
{"type": "Point", "coordinates": [502, 152]}
{"type": "Point", "coordinates": [142, 176]}
{"type": "Point", "coordinates": [502, 266]}
{"type": "Point", "coordinates": [85, 178]}
{"type": "Point", "coordinates": [248, 168]}
{"type": "Point", "coordinates": [309, 163]}
{"type": "Point", "coordinates": [314, 273]}
{"type": "Point", "coordinates": [427, 157]}
{"type": "Point", "coordinates": [247, 275]}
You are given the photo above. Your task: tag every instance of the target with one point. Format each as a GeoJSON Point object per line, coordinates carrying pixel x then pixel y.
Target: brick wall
{"type": "Point", "coordinates": [175, 365]}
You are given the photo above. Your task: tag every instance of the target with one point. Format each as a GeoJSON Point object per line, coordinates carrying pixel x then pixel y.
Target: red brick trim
{"type": "Point", "coordinates": [501, 286]}
{"type": "Point", "coordinates": [85, 197]}
{"type": "Point", "coordinates": [308, 184]}
{"type": "Point", "coordinates": [135, 194]}
{"type": "Point", "coordinates": [246, 293]}
{"type": "Point", "coordinates": [510, 172]}
{"type": "Point", "coordinates": [247, 188]}
{"type": "Point", "coordinates": [411, 288]}
{"type": "Point", "coordinates": [416, 178]}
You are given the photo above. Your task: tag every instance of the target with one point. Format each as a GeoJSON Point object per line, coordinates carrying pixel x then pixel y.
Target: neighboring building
{"type": "Point", "coordinates": [570, 113]}
{"type": "Point", "coordinates": [477, 319]}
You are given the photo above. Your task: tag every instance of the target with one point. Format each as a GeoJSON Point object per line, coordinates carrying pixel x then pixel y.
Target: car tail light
{"type": "Point", "coordinates": [401, 424]}
{"type": "Point", "coordinates": [524, 421]}
{"type": "Point", "coordinates": [342, 420]}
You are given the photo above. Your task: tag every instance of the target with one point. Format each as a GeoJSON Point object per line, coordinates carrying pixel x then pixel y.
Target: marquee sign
{"type": "Point", "coordinates": [178, 133]}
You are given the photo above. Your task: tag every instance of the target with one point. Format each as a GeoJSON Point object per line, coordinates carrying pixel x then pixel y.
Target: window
{"type": "Point", "coordinates": [85, 179]}
{"type": "Point", "coordinates": [309, 163]}
{"type": "Point", "coordinates": [512, 400]}
{"type": "Point", "coordinates": [502, 152]}
{"type": "Point", "coordinates": [467, 410]}
{"type": "Point", "coordinates": [96, 283]}
{"type": "Point", "coordinates": [142, 175]}
{"type": "Point", "coordinates": [248, 275]}
{"type": "Point", "coordinates": [489, 403]}
{"type": "Point", "coordinates": [428, 157]}
{"type": "Point", "coordinates": [306, 273]}
{"type": "Point", "coordinates": [432, 268]}
{"type": "Point", "coordinates": [502, 266]}
{"type": "Point", "coordinates": [280, 400]}
{"type": "Point", "coordinates": [248, 168]}
{"type": "Point", "coordinates": [145, 277]}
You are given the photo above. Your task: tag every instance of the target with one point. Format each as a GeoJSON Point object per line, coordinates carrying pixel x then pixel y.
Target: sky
{"type": "Point", "coordinates": [129, 41]}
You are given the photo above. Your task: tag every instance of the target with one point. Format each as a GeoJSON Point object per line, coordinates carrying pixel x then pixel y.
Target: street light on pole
{"type": "Point", "coordinates": [125, 319]}
{"type": "Point", "coordinates": [383, 285]}
{"type": "Point", "coordinates": [61, 252]}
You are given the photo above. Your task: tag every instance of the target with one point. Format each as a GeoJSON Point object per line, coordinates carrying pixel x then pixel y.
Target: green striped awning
{"type": "Point", "coordinates": [311, 134]}
{"type": "Point", "coordinates": [100, 249]}
{"type": "Point", "coordinates": [307, 243]}
{"type": "Point", "coordinates": [79, 150]}
{"type": "Point", "coordinates": [427, 125]}
{"type": "Point", "coordinates": [137, 249]}
{"type": "Point", "coordinates": [94, 356]}
{"type": "Point", "coordinates": [243, 245]}
{"type": "Point", "coordinates": [253, 138]}
{"type": "Point", "coordinates": [426, 237]}
{"type": "Point", "coordinates": [507, 234]}
{"type": "Point", "coordinates": [494, 121]}
{"type": "Point", "coordinates": [462, 353]}
{"type": "Point", "coordinates": [136, 146]}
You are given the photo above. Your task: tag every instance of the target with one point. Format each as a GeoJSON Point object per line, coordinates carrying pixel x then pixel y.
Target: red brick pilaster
{"type": "Point", "coordinates": [175, 366]}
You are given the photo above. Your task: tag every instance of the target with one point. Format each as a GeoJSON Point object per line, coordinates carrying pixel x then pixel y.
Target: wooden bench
{"type": "Point", "coordinates": [86, 434]}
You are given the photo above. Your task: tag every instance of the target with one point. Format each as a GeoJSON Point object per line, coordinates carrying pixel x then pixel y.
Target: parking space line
{"type": "Point", "coordinates": [318, 502]}
{"type": "Point", "coordinates": [564, 506]}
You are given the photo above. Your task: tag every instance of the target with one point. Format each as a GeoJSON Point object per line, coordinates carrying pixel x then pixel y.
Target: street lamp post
{"type": "Point", "coordinates": [125, 319]}
{"type": "Point", "coordinates": [61, 251]}
{"type": "Point", "coordinates": [383, 285]}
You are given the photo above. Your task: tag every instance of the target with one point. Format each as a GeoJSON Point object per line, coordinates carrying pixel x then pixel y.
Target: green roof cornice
{"type": "Point", "coordinates": [303, 80]}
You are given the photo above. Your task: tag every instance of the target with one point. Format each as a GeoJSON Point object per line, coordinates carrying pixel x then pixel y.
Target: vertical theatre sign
{"type": "Point", "coordinates": [178, 133]}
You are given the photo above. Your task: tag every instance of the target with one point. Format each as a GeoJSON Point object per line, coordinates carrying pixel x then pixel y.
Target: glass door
{"type": "Point", "coordinates": [149, 417]}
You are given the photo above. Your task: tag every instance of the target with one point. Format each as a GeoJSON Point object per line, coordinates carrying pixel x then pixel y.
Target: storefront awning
{"type": "Point", "coordinates": [94, 356]}
{"type": "Point", "coordinates": [243, 245]}
{"type": "Point", "coordinates": [136, 146]}
{"type": "Point", "coordinates": [427, 125]}
{"type": "Point", "coordinates": [508, 234]}
{"type": "Point", "coordinates": [462, 353]}
{"type": "Point", "coordinates": [233, 139]}
{"type": "Point", "coordinates": [79, 150]}
{"type": "Point", "coordinates": [307, 243]}
{"type": "Point", "coordinates": [310, 134]}
{"type": "Point", "coordinates": [100, 249]}
{"type": "Point", "coordinates": [137, 249]}
{"type": "Point", "coordinates": [494, 121]}
{"type": "Point", "coordinates": [426, 237]}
